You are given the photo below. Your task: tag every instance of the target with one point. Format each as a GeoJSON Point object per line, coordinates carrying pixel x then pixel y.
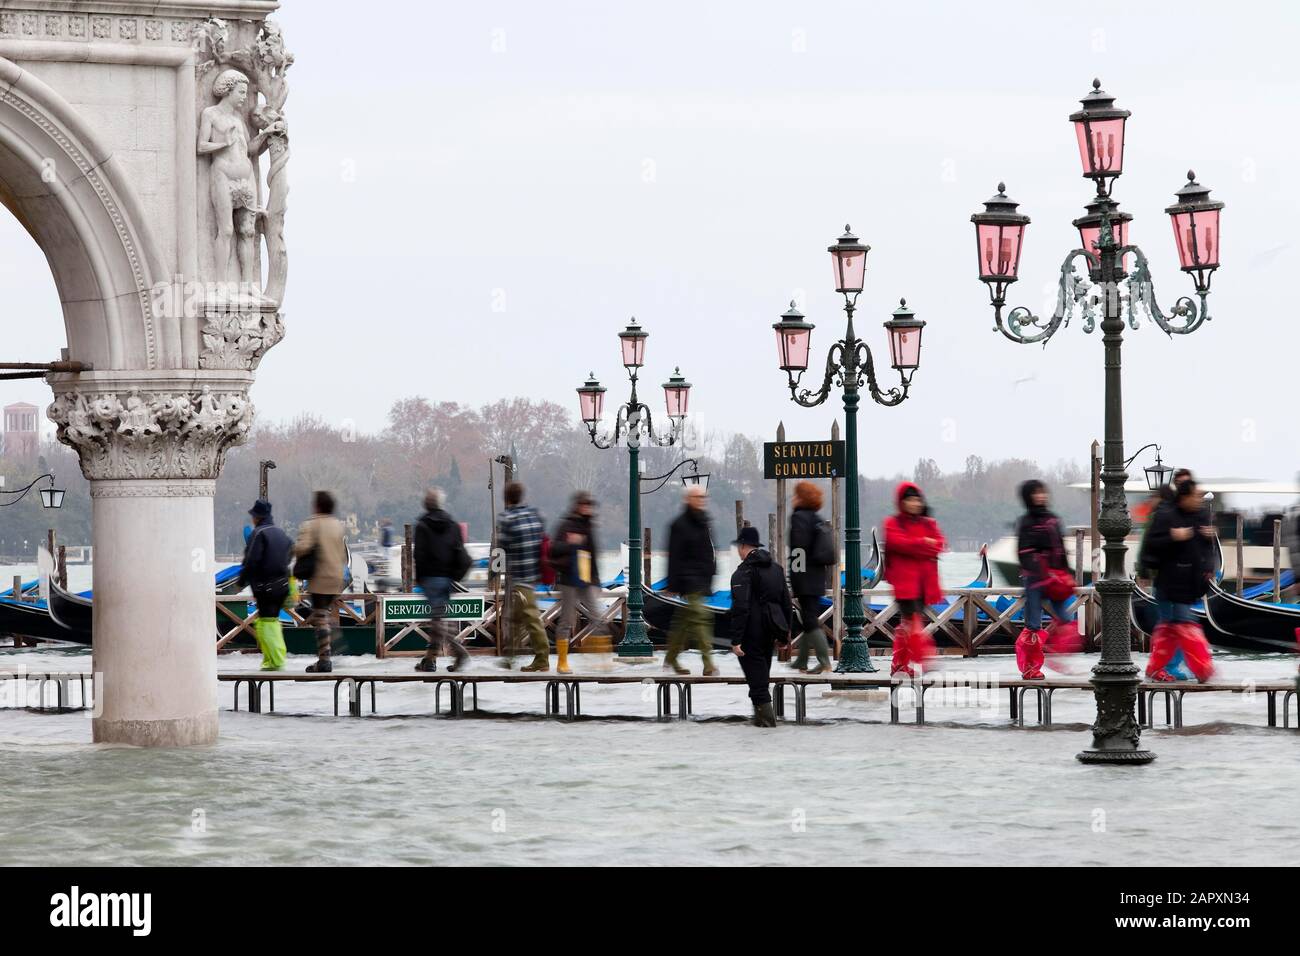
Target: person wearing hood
{"type": "Point", "coordinates": [760, 616]}
{"type": "Point", "coordinates": [321, 547]}
{"type": "Point", "coordinates": [1046, 578]}
{"type": "Point", "coordinates": [265, 571]}
{"type": "Point", "coordinates": [440, 561]}
{"type": "Point", "coordinates": [691, 566]}
{"type": "Point", "coordinates": [1179, 545]}
{"type": "Point", "coordinates": [811, 560]}
{"type": "Point", "coordinates": [573, 555]}
{"type": "Point", "coordinates": [913, 543]}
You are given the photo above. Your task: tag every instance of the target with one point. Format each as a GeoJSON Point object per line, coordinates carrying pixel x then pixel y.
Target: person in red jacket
{"type": "Point", "coordinates": [913, 543]}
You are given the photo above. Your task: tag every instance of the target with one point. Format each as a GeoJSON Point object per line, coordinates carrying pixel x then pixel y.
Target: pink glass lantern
{"type": "Point", "coordinates": [1099, 127]}
{"type": "Point", "coordinates": [904, 330]}
{"type": "Point", "coordinates": [633, 341]}
{"type": "Point", "coordinates": [591, 400]}
{"type": "Point", "coordinates": [999, 233]}
{"type": "Point", "coordinates": [1089, 227]}
{"type": "Point", "coordinates": [677, 393]}
{"type": "Point", "coordinates": [1196, 227]}
{"type": "Point", "coordinates": [850, 260]}
{"type": "Point", "coordinates": [793, 340]}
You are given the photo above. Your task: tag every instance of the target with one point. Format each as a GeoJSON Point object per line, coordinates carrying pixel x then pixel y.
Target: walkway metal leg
{"type": "Point", "coordinates": [1272, 708]}
{"type": "Point", "coordinates": [893, 703]}
{"type": "Point", "coordinates": [1015, 712]}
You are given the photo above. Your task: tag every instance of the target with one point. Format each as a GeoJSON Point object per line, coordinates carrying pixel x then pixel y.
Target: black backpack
{"type": "Point", "coordinates": [824, 552]}
{"type": "Point", "coordinates": [775, 617]}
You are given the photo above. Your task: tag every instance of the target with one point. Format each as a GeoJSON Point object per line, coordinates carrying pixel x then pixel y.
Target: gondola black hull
{"type": "Point", "coordinates": [75, 614]}
{"type": "Point", "coordinates": [1229, 621]}
{"type": "Point", "coordinates": [32, 621]}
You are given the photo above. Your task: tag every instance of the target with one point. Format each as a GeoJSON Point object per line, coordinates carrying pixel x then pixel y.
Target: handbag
{"type": "Point", "coordinates": [304, 567]}
{"type": "Point", "coordinates": [1059, 585]}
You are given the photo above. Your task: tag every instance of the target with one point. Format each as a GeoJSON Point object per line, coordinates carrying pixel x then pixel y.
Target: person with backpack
{"type": "Point", "coordinates": [1047, 580]}
{"type": "Point", "coordinates": [321, 555]}
{"type": "Point", "coordinates": [913, 543]}
{"type": "Point", "coordinates": [440, 561]}
{"type": "Point", "coordinates": [760, 617]}
{"type": "Point", "coordinates": [573, 555]}
{"type": "Point", "coordinates": [811, 561]}
{"type": "Point", "coordinates": [519, 535]}
{"type": "Point", "coordinates": [265, 571]}
{"type": "Point", "coordinates": [691, 566]}
{"type": "Point", "coordinates": [1179, 545]}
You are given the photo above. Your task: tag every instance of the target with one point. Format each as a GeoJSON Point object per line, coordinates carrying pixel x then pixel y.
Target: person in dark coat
{"type": "Point", "coordinates": [1179, 546]}
{"type": "Point", "coordinates": [760, 600]}
{"type": "Point", "coordinates": [265, 571]}
{"type": "Point", "coordinates": [1041, 547]}
{"type": "Point", "coordinates": [573, 555]}
{"type": "Point", "coordinates": [913, 543]}
{"type": "Point", "coordinates": [691, 566]}
{"type": "Point", "coordinates": [809, 578]}
{"type": "Point", "coordinates": [440, 561]}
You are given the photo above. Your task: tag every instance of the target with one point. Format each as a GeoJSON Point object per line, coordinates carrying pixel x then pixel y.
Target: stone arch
{"type": "Point", "coordinates": [71, 196]}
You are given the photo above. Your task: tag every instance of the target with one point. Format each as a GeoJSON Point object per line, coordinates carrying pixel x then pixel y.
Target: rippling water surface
{"type": "Point", "coordinates": [301, 786]}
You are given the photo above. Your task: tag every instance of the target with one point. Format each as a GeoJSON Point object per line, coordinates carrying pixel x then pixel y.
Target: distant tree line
{"type": "Point", "coordinates": [383, 475]}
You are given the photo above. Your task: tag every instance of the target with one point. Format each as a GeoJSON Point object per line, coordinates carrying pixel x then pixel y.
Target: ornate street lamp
{"type": "Point", "coordinates": [633, 424]}
{"type": "Point", "coordinates": [51, 497]}
{"type": "Point", "coordinates": [1109, 291]}
{"type": "Point", "coordinates": [1158, 474]}
{"type": "Point", "coordinates": [849, 363]}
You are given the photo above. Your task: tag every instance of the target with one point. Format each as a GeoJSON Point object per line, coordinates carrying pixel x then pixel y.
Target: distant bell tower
{"type": "Point", "coordinates": [22, 437]}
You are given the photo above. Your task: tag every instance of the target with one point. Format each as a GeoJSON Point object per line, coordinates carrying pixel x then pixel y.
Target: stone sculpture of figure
{"type": "Point", "coordinates": [208, 415]}
{"type": "Point", "coordinates": [79, 428]}
{"type": "Point", "coordinates": [223, 133]}
{"type": "Point", "coordinates": [137, 418]}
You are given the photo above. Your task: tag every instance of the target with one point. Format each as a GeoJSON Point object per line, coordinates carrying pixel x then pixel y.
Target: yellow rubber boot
{"type": "Point", "coordinates": [562, 652]}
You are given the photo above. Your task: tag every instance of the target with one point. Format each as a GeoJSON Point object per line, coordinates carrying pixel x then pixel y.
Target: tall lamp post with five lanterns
{"type": "Point", "coordinates": [1110, 291]}
{"type": "Point", "coordinates": [849, 364]}
{"type": "Point", "coordinates": [633, 424]}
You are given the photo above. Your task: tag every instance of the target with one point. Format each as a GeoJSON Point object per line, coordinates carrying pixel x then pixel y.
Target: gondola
{"type": "Point", "coordinates": [30, 619]}
{"type": "Point", "coordinates": [74, 613]}
{"type": "Point", "coordinates": [1244, 623]}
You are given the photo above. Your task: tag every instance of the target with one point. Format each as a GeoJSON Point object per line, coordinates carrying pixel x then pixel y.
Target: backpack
{"type": "Point", "coordinates": [460, 558]}
{"type": "Point", "coordinates": [546, 570]}
{"type": "Point", "coordinates": [774, 617]}
{"type": "Point", "coordinates": [824, 552]}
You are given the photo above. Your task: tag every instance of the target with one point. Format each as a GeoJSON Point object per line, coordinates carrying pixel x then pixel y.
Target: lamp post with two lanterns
{"type": "Point", "coordinates": [633, 424]}
{"type": "Point", "coordinates": [850, 365]}
{"type": "Point", "coordinates": [1109, 290]}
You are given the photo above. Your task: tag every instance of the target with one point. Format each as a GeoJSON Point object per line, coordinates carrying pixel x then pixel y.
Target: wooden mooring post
{"type": "Point", "coordinates": [740, 516]}
{"type": "Point", "coordinates": [1277, 560]}
{"type": "Point", "coordinates": [408, 562]}
{"type": "Point", "coordinates": [1241, 552]}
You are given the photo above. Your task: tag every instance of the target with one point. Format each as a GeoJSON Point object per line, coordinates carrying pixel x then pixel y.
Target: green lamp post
{"type": "Point", "coordinates": [849, 363]}
{"type": "Point", "coordinates": [633, 424]}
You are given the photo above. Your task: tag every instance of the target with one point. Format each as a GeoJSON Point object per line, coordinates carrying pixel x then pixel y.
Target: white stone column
{"type": "Point", "coordinates": [152, 445]}
{"type": "Point", "coordinates": [153, 640]}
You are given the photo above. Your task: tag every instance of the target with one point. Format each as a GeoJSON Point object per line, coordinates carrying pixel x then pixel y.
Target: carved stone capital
{"type": "Point", "coordinates": [237, 337]}
{"type": "Point", "coordinates": [152, 425]}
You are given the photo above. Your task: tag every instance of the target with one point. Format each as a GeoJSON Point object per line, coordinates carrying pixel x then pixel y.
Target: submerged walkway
{"type": "Point", "coordinates": [674, 694]}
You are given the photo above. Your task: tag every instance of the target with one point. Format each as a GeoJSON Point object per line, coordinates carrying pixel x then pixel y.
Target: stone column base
{"type": "Point", "coordinates": [179, 732]}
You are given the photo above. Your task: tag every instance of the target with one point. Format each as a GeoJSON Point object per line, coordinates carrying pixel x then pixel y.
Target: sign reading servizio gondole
{"type": "Point", "coordinates": [803, 459]}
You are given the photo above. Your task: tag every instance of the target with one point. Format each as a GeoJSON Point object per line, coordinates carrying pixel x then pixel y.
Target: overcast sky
{"type": "Point", "coordinates": [482, 194]}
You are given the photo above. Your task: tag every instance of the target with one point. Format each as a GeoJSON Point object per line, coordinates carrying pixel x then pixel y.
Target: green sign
{"type": "Point", "coordinates": [459, 608]}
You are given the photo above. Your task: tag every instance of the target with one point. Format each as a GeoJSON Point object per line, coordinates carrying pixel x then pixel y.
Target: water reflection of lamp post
{"type": "Point", "coordinates": [1109, 288]}
{"type": "Point", "coordinates": [632, 423]}
{"type": "Point", "coordinates": [850, 365]}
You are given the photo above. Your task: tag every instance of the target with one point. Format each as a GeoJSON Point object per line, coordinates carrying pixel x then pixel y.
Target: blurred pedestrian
{"type": "Point", "coordinates": [1048, 582]}
{"type": "Point", "coordinates": [321, 556]}
{"type": "Point", "coordinates": [913, 543]}
{"type": "Point", "coordinates": [519, 535]}
{"type": "Point", "coordinates": [760, 617]}
{"type": "Point", "coordinates": [573, 554]}
{"type": "Point", "coordinates": [811, 560]}
{"type": "Point", "coordinates": [265, 571]}
{"type": "Point", "coordinates": [1180, 547]}
{"type": "Point", "coordinates": [692, 563]}
{"type": "Point", "coordinates": [440, 561]}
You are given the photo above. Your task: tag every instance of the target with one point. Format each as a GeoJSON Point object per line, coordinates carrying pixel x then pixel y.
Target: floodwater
{"type": "Point", "coordinates": [301, 786]}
